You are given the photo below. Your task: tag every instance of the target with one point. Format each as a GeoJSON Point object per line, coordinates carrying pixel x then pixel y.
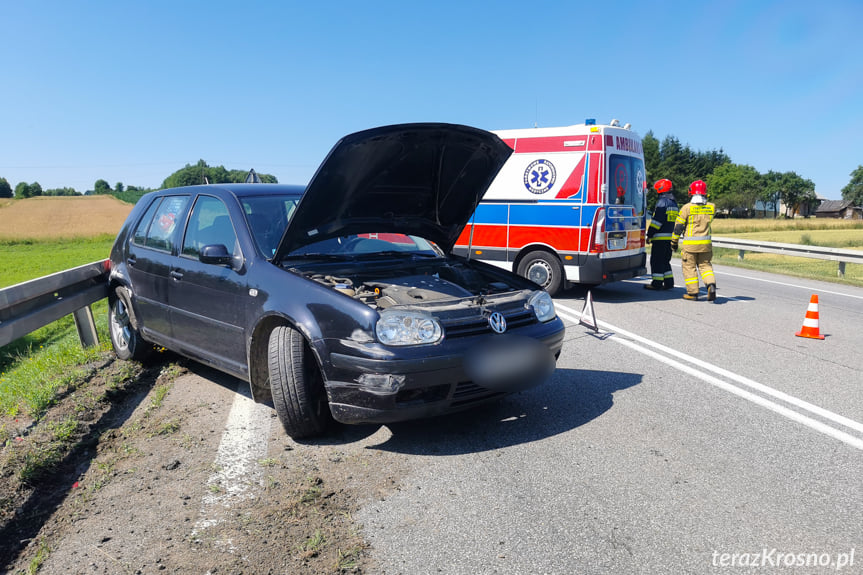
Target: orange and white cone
{"type": "Point", "coordinates": [810, 323]}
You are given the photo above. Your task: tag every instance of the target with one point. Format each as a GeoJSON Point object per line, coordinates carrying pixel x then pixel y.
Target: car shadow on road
{"type": "Point", "coordinates": [572, 398]}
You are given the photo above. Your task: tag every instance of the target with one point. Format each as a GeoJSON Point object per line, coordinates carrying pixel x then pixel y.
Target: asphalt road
{"type": "Point", "coordinates": [684, 437]}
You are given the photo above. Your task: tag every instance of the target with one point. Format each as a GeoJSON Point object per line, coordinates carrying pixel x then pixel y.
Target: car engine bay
{"type": "Point", "coordinates": [429, 282]}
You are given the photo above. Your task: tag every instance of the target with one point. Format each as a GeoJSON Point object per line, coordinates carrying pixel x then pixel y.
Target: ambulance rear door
{"type": "Point", "coordinates": [625, 215]}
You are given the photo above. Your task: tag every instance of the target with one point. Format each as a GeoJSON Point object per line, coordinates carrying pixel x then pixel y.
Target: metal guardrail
{"type": "Point", "coordinates": [27, 306]}
{"type": "Point", "coordinates": [833, 254]}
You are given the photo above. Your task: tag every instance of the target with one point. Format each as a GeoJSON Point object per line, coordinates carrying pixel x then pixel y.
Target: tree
{"type": "Point", "coordinates": [22, 190]}
{"type": "Point", "coordinates": [201, 173]}
{"type": "Point", "coordinates": [772, 192]}
{"type": "Point", "coordinates": [650, 145]}
{"type": "Point", "coordinates": [853, 192]}
{"type": "Point", "coordinates": [734, 188]}
{"type": "Point", "coordinates": [5, 189]}
{"type": "Point", "coordinates": [796, 191]}
{"type": "Point", "coordinates": [35, 189]}
{"type": "Point", "coordinates": [101, 187]}
{"type": "Point", "coordinates": [118, 188]}
{"type": "Point", "coordinates": [61, 192]}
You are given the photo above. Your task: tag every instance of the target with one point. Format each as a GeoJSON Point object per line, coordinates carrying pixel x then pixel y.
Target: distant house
{"type": "Point", "coordinates": [842, 209]}
{"type": "Point", "coordinates": [804, 209]}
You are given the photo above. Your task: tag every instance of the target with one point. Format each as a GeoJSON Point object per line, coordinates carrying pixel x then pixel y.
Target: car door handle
{"type": "Point", "coordinates": [131, 260]}
{"type": "Point", "coordinates": [176, 275]}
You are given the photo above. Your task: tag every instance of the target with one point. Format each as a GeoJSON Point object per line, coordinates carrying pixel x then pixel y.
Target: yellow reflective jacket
{"type": "Point", "coordinates": [692, 227]}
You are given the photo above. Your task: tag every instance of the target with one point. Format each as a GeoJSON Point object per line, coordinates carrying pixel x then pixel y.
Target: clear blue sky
{"type": "Point", "coordinates": [132, 91]}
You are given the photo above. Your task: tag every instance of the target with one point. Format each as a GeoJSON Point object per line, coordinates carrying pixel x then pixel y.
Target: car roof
{"type": "Point", "coordinates": [240, 190]}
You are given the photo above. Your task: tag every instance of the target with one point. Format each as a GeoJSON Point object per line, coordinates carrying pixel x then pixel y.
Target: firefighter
{"type": "Point", "coordinates": [692, 231]}
{"type": "Point", "coordinates": [659, 234]}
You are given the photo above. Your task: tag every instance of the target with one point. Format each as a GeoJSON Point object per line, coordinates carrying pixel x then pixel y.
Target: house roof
{"type": "Point", "coordinates": [834, 205]}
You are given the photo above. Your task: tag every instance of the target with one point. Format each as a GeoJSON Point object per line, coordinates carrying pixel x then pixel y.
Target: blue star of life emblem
{"type": "Point", "coordinates": [539, 176]}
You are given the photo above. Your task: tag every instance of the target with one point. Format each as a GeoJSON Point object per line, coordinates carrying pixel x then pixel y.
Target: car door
{"type": "Point", "coordinates": [149, 257]}
{"type": "Point", "coordinates": [207, 300]}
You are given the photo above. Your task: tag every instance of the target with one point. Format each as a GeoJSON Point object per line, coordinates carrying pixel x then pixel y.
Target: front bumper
{"type": "Point", "coordinates": [426, 381]}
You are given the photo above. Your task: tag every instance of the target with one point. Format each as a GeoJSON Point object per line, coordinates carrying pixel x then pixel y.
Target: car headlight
{"type": "Point", "coordinates": [407, 328]}
{"type": "Point", "coordinates": [543, 305]}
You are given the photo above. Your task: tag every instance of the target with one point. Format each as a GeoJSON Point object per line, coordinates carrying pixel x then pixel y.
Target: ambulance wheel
{"type": "Point", "coordinates": [543, 269]}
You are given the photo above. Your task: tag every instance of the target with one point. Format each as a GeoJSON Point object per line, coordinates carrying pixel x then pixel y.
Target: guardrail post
{"type": "Point", "coordinates": [740, 255]}
{"type": "Point", "coordinates": [841, 269]}
{"type": "Point", "coordinates": [86, 326]}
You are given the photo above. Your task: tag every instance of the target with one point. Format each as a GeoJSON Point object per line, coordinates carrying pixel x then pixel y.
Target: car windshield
{"type": "Point", "coordinates": [268, 216]}
{"type": "Point", "coordinates": [372, 244]}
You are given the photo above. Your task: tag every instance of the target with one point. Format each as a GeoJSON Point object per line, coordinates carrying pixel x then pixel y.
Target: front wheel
{"type": "Point", "coordinates": [297, 384]}
{"type": "Point", "coordinates": [543, 269]}
{"type": "Point", "coordinates": [127, 341]}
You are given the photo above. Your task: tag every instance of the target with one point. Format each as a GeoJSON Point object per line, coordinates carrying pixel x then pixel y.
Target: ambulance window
{"type": "Point", "coordinates": [626, 174]}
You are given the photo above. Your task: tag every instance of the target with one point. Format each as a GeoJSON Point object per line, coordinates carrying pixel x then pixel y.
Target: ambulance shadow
{"type": "Point", "coordinates": [619, 291]}
{"type": "Point", "coordinates": [572, 398]}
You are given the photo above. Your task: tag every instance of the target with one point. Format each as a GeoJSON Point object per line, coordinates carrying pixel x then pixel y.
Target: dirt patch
{"type": "Point", "coordinates": [140, 492]}
{"type": "Point", "coordinates": [48, 217]}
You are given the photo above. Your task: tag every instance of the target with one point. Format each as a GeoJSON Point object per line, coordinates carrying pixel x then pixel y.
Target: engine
{"type": "Point", "coordinates": [442, 282]}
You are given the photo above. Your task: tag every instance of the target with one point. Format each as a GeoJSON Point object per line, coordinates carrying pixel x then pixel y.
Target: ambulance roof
{"type": "Point", "coordinates": [575, 129]}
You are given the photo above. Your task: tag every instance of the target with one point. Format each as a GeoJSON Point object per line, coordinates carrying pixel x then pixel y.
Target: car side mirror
{"type": "Point", "coordinates": [216, 254]}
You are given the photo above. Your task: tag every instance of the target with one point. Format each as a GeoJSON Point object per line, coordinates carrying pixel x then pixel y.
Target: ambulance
{"type": "Point", "coordinates": [568, 207]}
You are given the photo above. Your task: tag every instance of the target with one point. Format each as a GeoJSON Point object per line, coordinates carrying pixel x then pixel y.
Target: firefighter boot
{"type": "Point", "coordinates": [690, 296]}
{"type": "Point", "coordinates": [653, 286]}
{"type": "Point", "coordinates": [711, 292]}
{"type": "Point", "coordinates": [668, 284]}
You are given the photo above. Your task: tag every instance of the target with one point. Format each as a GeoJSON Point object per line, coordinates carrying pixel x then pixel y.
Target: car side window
{"type": "Point", "coordinates": [156, 229]}
{"type": "Point", "coordinates": [209, 224]}
{"type": "Point", "coordinates": [140, 236]}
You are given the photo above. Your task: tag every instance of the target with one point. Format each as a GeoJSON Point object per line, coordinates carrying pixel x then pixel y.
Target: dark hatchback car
{"type": "Point", "coordinates": [338, 300]}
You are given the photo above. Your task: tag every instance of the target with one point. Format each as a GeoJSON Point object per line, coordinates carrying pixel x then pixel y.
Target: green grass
{"type": "Point", "coordinates": [822, 270]}
{"type": "Point", "coordinates": [29, 259]}
{"type": "Point", "coordinates": [35, 367]}
{"type": "Point", "coordinates": [846, 234]}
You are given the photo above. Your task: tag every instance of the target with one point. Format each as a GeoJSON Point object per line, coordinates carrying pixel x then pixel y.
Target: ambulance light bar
{"type": "Point", "coordinates": [590, 122]}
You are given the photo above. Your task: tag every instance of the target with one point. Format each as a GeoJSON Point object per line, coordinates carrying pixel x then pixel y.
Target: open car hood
{"type": "Point", "coordinates": [417, 179]}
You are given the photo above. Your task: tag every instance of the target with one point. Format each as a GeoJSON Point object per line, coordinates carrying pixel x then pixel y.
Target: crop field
{"type": "Point", "coordinates": [739, 226]}
{"type": "Point", "coordinates": [47, 217]}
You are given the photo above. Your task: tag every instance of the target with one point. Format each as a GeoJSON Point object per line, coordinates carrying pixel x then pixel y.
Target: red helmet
{"type": "Point", "coordinates": [698, 188]}
{"type": "Point", "coordinates": [662, 186]}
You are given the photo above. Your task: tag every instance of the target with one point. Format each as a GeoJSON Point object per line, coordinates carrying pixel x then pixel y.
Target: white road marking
{"type": "Point", "coordinates": [574, 315]}
{"type": "Point", "coordinates": [243, 444]}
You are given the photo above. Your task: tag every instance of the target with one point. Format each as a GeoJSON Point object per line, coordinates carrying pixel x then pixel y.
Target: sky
{"type": "Point", "coordinates": [132, 91]}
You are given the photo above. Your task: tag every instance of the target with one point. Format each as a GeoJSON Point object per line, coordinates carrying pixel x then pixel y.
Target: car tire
{"type": "Point", "coordinates": [543, 269]}
{"type": "Point", "coordinates": [297, 384]}
{"type": "Point", "coordinates": [126, 339]}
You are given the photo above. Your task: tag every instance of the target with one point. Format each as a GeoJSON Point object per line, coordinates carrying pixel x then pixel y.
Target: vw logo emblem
{"type": "Point", "coordinates": [497, 322]}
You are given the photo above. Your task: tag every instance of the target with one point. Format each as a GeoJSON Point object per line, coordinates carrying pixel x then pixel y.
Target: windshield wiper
{"type": "Point", "coordinates": [316, 256]}
{"type": "Point", "coordinates": [389, 253]}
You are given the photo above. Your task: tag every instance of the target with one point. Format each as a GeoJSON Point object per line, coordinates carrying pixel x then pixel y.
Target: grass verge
{"type": "Point", "coordinates": [35, 367]}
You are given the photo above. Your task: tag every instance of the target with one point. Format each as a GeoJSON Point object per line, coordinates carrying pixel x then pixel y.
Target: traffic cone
{"type": "Point", "coordinates": [810, 323]}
